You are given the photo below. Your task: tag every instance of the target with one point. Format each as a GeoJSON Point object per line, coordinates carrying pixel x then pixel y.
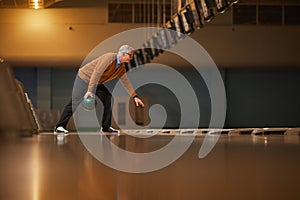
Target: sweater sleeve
{"type": "Point", "coordinates": [127, 85]}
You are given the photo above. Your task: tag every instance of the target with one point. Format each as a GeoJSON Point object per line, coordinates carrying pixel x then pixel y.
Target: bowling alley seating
{"type": "Point", "coordinates": [17, 115]}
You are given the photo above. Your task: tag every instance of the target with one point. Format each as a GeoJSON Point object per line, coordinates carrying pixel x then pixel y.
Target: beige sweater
{"type": "Point", "coordinates": [102, 70]}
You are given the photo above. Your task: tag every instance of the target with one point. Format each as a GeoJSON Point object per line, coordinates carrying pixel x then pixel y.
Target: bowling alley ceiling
{"type": "Point", "coordinates": [64, 37]}
{"type": "Point", "coordinates": [92, 3]}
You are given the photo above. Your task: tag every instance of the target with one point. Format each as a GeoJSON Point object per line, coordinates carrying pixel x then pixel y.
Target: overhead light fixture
{"type": "Point", "coordinates": [163, 39]}
{"type": "Point", "coordinates": [36, 4]}
{"type": "Point", "coordinates": [172, 32]}
{"type": "Point", "coordinates": [232, 1]}
{"type": "Point", "coordinates": [187, 19]}
{"type": "Point", "coordinates": [178, 26]}
{"type": "Point", "coordinates": [221, 5]}
{"type": "Point", "coordinates": [195, 7]}
{"type": "Point", "coordinates": [140, 57]}
{"type": "Point", "coordinates": [157, 45]}
{"type": "Point", "coordinates": [148, 52]}
{"type": "Point", "coordinates": [207, 9]}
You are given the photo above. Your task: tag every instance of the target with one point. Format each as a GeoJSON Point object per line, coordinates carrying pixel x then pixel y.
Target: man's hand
{"type": "Point", "coordinates": [88, 94]}
{"type": "Point", "coordinates": [138, 102]}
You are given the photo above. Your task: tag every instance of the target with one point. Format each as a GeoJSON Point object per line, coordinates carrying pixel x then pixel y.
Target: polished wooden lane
{"type": "Point", "coordinates": [239, 167]}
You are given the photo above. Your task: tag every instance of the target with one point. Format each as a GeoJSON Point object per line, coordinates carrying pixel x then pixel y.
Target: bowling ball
{"type": "Point", "coordinates": [89, 103]}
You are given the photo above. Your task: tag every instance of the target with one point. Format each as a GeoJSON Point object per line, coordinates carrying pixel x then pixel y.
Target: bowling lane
{"type": "Point", "coordinates": [238, 167]}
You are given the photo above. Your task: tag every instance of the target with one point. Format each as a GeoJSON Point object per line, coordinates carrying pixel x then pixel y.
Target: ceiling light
{"type": "Point", "coordinates": [36, 4]}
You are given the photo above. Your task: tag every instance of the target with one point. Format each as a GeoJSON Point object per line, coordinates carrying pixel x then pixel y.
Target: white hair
{"type": "Point", "coordinates": [125, 49]}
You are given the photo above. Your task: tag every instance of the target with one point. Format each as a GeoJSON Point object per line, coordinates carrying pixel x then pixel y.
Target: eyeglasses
{"type": "Point", "coordinates": [130, 55]}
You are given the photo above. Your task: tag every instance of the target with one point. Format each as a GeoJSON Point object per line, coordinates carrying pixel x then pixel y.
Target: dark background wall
{"type": "Point", "coordinates": [263, 97]}
{"type": "Point", "coordinates": [256, 97]}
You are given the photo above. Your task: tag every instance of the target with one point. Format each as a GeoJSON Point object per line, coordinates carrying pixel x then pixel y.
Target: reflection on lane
{"type": "Point", "coordinates": [239, 167]}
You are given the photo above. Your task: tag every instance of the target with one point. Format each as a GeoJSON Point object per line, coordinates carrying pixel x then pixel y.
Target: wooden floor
{"type": "Point", "coordinates": [240, 166]}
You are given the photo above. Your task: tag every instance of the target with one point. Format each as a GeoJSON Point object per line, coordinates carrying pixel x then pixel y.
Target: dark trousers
{"type": "Point", "coordinates": [79, 90]}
